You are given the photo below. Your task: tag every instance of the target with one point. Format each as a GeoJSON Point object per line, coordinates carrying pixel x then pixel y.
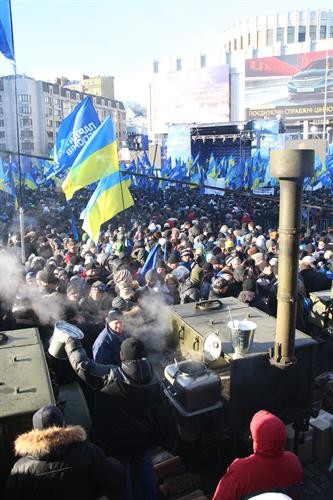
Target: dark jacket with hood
{"type": "Point", "coordinates": [58, 462]}
{"type": "Point", "coordinates": [270, 468]}
{"type": "Point", "coordinates": [188, 292]}
{"type": "Point", "coordinates": [126, 401]}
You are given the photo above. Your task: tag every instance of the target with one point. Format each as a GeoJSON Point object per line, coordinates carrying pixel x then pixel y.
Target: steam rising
{"type": "Point", "coordinates": [152, 329]}
{"type": "Point", "coordinates": [15, 289]}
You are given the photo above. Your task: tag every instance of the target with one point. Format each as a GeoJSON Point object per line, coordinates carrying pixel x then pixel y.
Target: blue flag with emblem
{"type": "Point", "coordinates": [74, 132]}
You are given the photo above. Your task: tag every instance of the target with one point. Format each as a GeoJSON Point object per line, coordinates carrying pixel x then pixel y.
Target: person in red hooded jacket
{"type": "Point", "coordinates": [269, 468]}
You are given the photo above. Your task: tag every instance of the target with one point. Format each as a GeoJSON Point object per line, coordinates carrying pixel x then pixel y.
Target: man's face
{"type": "Point", "coordinates": [74, 296]}
{"type": "Point", "coordinates": [72, 247]}
{"type": "Point", "coordinates": [116, 326]}
{"type": "Point", "coordinates": [96, 293]}
{"type": "Point", "coordinates": [161, 271]}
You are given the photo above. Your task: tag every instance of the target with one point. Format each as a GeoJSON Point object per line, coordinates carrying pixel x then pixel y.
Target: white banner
{"type": "Point", "coordinates": [264, 191]}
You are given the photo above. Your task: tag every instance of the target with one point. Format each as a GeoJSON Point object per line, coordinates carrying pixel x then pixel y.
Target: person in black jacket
{"type": "Point", "coordinates": [57, 462]}
{"type": "Point", "coordinates": [128, 398]}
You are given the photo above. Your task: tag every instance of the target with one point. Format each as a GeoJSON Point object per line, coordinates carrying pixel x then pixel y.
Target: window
{"type": "Point", "coordinates": [291, 34]}
{"type": "Point", "coordinates": [269, 37]}
{"type": "Point", "coordinates": [26, 134]}
{"type": "Point", "coordinates": [249, 38]}
{"type": "Point", "coordinates": [322, 32]}
{"type": "Point", "coordinates": [50, 111]}
{"type": "Point", "coordinates": [49, 123]}
{"type": "Point", "coordinates": [313, 31]}
{"type": "Point", "coordinates": [2, 134]}
{"type": "Point", "coordinates": [57, 102]}
{"type": "Point", "coordinates": [280, 35]}
{"type": "Point", "coordinates": [102, 102]}
{"type": "Point", "coordinates": [48, 99]}
{"type": "Point", "coordinates": [26, 122]}
{"type": "Point", "coordinates": [24, 98]}
{"type": "Point", "coordinates": [27, 146]}
{"type": "Point", "coordinates": [57, 124]}
{"type": "Point", "coordinates": [26, 110]}
{"type": "Point", "coordinates": [51, 89]}
{"type": "Point", "coordinates": [68, 94]}
{"type": "Point", "coordinates": [2, 123]}
{"type": "Point", "coordinates": [301, 33]}
{"type": "Point", "coordinates": [50, 134]}
{"type": "Point", "coordinates": [2, 146]}
{"type": "Point", "coordinates": [178, 64]}
{"type": "Point", "coordinates": [50, 145]}
{"type": "Point", "coordinates": [235, 43]}
{"type": "Point", "coordinates": [77, 96]}
{"type": "Point", "coordinates": [57, 112]}
{"type": "Point", "coordinates": [331, 33]}
{"type": "Point", "coordinates": [241, 43]}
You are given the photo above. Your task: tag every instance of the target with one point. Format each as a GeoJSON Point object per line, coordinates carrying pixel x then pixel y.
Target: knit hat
{"type": "Point", "coordinates": [121, 275]}
{"type": "Point", "coordinates": [114, 315]}
{"type": "Point", "coordinates": [160, 263]}
{"type": "Point", "coordinates": [120, 303]}
{"type": "Point", "coordinates": [98, 285]}
{"type": "Point", "coordinates": [48, 416]}
{"type": "Point", "coordinates": [131, 349]}
{"type": "Point", "coordinates": [173, 259]}
{"type": "Point", "coordinates": [151, 275]}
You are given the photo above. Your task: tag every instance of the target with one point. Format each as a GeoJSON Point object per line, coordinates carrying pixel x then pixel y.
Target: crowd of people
{"type": "Point", "coordinates": [172, 247]}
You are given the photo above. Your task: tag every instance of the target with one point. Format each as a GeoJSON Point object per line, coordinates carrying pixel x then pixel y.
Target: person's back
{"type": "Point", "coordinates": [269, 468]}
{"type": "Point", "coordinates": [58, 462]}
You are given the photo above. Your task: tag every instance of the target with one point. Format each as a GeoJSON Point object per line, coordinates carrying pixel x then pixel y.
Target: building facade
{"type": "Point", "coordinates": [96, 85]}
{"type": "Point", "coordinates": [41, 107]}
{"type": "Point", "coordinates": [275, 66]}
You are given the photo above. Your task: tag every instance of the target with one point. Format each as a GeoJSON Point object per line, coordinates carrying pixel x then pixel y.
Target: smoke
{"type": "Point", "coordinates": [15, 290]}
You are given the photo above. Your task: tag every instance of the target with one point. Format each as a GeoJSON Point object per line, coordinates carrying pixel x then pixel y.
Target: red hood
{"type": "Point", "coordinates": [268, 434]}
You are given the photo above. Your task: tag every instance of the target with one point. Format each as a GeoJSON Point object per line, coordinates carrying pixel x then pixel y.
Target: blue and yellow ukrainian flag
{"type": "Point", "coordinates": [110, 197]}
{"type": "Point", "coordinates": [29, 181]}
{"type": "Point", "coordinates": [97, 159]}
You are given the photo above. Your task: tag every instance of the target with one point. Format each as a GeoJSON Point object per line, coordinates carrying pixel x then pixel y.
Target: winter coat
{"type": "Point", "coordinates": [58, 463]}
{"type": "Point", "coordinates": [188, 292]}
{"type": "Point", "coordinates": [106, 348]}
{"type": "Point", "coordinates": [314, 280]}
{"type": "Point", "coordinates": [126, 401]}
{"type": "Point", "coordinates": [270, 468]}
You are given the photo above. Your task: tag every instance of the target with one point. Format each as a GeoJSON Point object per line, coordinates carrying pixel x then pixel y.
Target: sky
{"type": "Point", "coordinates": [122, 37]}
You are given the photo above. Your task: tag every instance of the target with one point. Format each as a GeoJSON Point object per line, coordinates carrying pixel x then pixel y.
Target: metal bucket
{"type": "Point", "coordinates": [56, 346]}
{"type": "Point", "coordinates": [241, 335]}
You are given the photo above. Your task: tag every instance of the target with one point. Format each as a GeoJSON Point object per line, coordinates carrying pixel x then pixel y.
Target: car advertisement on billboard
{"type": "Point", "coordinates": [189, 96]}
{"type": "Point", "coordinates": [293, 86]}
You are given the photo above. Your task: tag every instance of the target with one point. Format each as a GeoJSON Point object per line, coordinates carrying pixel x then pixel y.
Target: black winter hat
{"type": "Point", "coordinates": [132, 348]}
{"type": "Point", "coordinates": [48, 416]}
{"type": "Point", "coordinates": [113, 315]}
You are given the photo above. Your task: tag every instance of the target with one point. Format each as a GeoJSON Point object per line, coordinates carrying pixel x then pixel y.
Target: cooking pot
{"type": "Point", "coordinates": [57, 346]}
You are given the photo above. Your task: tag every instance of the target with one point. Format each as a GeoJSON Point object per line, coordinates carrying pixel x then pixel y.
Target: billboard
{"type": "Point", "coordinates": [293, 86]}
{"type": "Point", "coordinates": [190, 96]}
{"type": "Point", "coordinates": [179, 143]}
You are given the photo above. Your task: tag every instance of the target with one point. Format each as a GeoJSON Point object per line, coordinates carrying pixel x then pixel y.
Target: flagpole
{"type": "Point", "coordinates": [20, 197]}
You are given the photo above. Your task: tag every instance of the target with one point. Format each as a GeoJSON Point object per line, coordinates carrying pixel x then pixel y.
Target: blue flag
{"type": "Point", "coordinates": [74, 132]}
{"type": "Point", "coordinates": [6, 30]}
{"type": "Point", "coordinates": [151, 260]}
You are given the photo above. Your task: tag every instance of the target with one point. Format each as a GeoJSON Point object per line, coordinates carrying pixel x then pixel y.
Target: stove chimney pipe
{"type": "Point", "coordinates": [290, 166]}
